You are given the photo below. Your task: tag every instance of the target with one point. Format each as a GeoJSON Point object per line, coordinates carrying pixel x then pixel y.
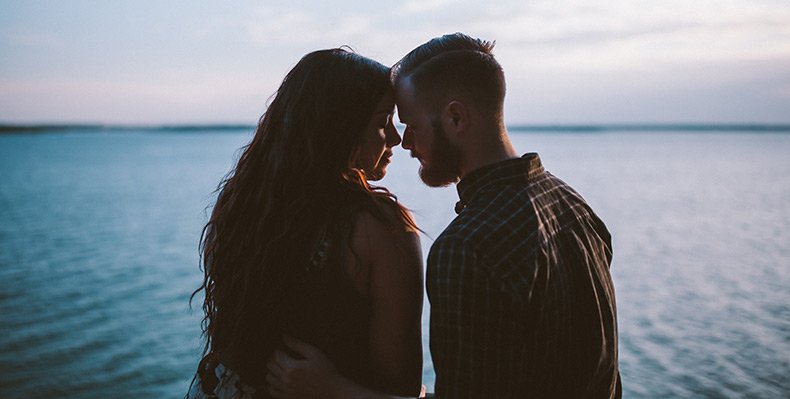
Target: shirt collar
{"type": "Point", "coordinates": [517, 169]}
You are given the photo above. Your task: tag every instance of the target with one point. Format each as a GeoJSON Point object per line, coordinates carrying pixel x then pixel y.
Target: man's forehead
{"type": "Point", "coordinates": [404, 94]}
{"type": "Point", "coordinates": [404, 111]}
{"type": "Point", "coordinates": [404, 87]}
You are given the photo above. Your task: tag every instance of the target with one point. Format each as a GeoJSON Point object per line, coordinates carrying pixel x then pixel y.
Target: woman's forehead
{"type": "Point", "coordinates": [386, 104]}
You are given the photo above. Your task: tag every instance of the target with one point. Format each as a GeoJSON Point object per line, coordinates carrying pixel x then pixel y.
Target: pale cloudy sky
{"type": "Point", "coordinates": [613, 61]}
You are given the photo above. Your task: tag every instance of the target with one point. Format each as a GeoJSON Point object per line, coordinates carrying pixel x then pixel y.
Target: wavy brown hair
{"type": "Point", "coordinates": [288, 183]}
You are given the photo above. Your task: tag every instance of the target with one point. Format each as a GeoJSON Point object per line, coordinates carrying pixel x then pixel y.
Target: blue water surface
{"type": "Point", "coordinates": [99, 235]}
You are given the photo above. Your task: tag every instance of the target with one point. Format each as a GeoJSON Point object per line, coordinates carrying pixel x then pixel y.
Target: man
{"type": "Point", "coordinates": [522, 302]}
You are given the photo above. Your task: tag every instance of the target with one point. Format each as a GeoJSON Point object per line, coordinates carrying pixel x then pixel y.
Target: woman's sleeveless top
{"type": "Point", "coordinates": [321, 308]}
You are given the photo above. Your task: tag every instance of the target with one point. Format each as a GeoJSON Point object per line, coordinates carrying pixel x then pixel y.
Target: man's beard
{"type": "Point", "coordinates": [445, 160]}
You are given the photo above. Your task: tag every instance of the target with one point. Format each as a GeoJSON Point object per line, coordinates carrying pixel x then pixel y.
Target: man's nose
{"type": "Point", "coordinates": [408, 140]}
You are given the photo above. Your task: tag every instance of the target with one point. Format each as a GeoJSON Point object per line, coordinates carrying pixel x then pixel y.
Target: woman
{"type": "Point", "coordinates": [299, 245]}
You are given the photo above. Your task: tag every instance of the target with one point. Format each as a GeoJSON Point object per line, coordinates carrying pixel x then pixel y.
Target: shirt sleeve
{"type": "Point", "coordinates": [465, 317]}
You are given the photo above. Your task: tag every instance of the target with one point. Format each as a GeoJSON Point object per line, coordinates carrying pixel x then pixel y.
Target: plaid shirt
{"type": "Point", "coordinates": [522, 303]}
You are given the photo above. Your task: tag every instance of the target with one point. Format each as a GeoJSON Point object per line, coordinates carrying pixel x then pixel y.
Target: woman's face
{"type": "Point", "coordinates": [375, 148]}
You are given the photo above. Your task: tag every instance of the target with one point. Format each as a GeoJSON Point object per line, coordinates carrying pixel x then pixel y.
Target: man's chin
{"type": "Point", "coordinates": [436, 178]}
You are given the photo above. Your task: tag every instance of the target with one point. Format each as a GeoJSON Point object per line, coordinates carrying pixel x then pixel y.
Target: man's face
{"type": "Point", "coordinates": [425, 138]}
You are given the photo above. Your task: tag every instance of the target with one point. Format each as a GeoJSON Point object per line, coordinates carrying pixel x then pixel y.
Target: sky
{"type": "Point", "coordinates": [566, 62]}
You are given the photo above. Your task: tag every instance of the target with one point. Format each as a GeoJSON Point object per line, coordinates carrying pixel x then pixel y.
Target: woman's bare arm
{"type": "Point", "coordinates": [393, 261]}
{"type": "Point", "coordinates": [386, 267]}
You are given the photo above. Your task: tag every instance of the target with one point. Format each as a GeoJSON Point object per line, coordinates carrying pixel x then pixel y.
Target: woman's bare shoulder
{"type": "Point", "coordinates": [394, 284]}
{"type": "Point", "coordinates": [383, 234]}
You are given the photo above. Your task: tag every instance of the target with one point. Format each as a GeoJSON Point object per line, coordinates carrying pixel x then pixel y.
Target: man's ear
{"type": "Point", "coordinates": [455, 118]}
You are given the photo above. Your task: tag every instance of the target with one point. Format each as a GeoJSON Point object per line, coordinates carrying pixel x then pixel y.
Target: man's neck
{"type": "Point", "coordinates": [488, 152]}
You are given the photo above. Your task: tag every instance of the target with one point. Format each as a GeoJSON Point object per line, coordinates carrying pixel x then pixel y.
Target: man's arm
{"type": "Point", "coordinates": [393, 284]}
{"type": "Point", "coordinates": [313, 376]}
{"type": "Point", "coordinates": [463, 306]}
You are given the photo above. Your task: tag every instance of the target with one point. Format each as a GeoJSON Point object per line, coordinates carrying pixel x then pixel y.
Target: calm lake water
{"type": "Point", "coordinates": [99, 235]}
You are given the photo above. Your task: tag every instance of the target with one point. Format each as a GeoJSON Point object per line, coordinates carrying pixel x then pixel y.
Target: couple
{"type": "Point", "coordinates": [313, 277]}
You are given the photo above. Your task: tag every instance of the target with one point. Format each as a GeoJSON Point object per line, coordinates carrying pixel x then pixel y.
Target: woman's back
{"type": "Point", "coordinates": [321, 306]}
{"type": "Point", "coordinates": [339, 304]}
{"type": "Point", "coordinates": [299, 244]}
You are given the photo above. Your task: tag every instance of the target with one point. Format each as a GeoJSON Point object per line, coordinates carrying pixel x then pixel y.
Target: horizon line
{"type": "Point", "coordinates": [518, 127]}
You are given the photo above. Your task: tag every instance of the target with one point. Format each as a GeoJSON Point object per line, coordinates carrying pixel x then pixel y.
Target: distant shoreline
{"type": "Point", "coordinates": [654, 127]}
{"type": "Point", "coordinates": [515, 128]}
{"type": "Point", "coordinates": [54, 128]}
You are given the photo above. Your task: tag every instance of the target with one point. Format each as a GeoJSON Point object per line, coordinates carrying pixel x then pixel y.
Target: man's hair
{"type": "Point", "coordinates": [454, 65]}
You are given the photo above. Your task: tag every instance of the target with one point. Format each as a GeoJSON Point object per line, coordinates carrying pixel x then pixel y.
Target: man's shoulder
{"type": "Point", "coordinates": [500, 222]}
{"type": "Point", "coordinates": [500, 208]}
{"type": "Point", "coordinates": [453, 237]}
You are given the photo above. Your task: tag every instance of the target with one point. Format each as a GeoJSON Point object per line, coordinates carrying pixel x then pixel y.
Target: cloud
{"type": "Point", "coordinates": [424, 6]}
{"type": "Point", "coordinates": [628, 34]}
{"type": "Point", "coordinates": [217, 60]}
{"type": "Point", "coordinates": [292, 27]}
{"type": "Point", "coordinates": [33, 39]}
{"type": "Point", "coordinates": [170, 96]}
{"type": "Point", "coordinates": [383, 35]}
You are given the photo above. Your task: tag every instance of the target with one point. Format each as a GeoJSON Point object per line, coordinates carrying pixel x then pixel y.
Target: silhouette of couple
{"type": "Point", "coordinates": [314, 276]}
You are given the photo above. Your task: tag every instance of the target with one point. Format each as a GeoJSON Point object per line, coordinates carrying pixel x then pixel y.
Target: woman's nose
{"type": "Point", "coordinates": [393, 138]}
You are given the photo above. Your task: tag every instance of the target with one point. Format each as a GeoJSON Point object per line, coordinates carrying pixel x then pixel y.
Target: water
{"type": "Point", "coordinates": [99, 235]}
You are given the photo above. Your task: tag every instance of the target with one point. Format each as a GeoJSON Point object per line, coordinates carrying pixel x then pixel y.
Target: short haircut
{"type": "Point", "coordinates": [454, 65]}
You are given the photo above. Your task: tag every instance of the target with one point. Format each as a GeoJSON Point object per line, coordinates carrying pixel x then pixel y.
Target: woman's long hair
{"type": "Point", "coordinates": [289, 179]}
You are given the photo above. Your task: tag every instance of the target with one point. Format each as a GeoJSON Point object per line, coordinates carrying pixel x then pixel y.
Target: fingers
{"type": "Point", "coordinates": [301, 347]}
{"type": "Point", "coordinates": [274, 367]}
{"type": "Point", "coordinates": [277, 366]}
{"type": "Point", "coordinates": [274, 386]}
{"type": "Point", "coordinates": [293, 374]}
